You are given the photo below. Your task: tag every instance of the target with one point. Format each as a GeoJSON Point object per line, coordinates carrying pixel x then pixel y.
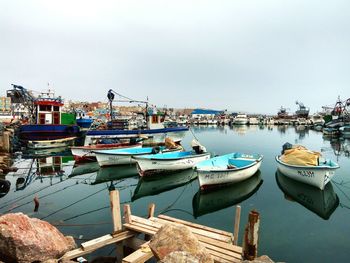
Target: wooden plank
{"type": "Point", "coordinates": [151, 209]}
{"type": "Point", "coordinates": [127, 214]}
{"type": "Point", "coordinates": [236, 226]}
{"type": "Point", "coordinates": [224, 245]}
{"type": "Point", "coordinates": [151, 228]}
{"type": "Point", "coordinates": [221, 250]}
{"type": "Point", "coordinates": [138, 256]}
{"type": "Point", "coordinates": [93, 242]}
{"type": "Point", "coordinates": [115, 209]}
{"type": "Point", "coordinates": [95, 245]}
{"type": "Point", "coordinates": [210, 229]}
{"type": "Point", "coordinates": [198, 231]}
{"type": "Point", "coordinates": [139, 229]}
{"type": "Point", "coordinates": [221, 256]}
{"type": "Point", "coordinates": [146, 221]}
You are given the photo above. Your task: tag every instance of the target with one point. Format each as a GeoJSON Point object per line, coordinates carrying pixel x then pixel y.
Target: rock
{"type": "Point", "coordinates": [175, 237]}
{"type": "Point", "coordinates": [261, 259]}
{"type": "Point", "coordinates": [24, 239]}
{"type": "Point", "coordinates": [180, 257]}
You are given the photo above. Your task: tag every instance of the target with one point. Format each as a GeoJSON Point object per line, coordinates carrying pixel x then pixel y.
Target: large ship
{"type": "Point", "coordinates": [302, 112]}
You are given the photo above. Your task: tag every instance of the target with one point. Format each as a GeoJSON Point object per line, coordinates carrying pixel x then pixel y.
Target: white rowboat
{"type": "Point", "coordinates": [227, 169]}
{"type": "Point", "coordinates": [148, 165]}
{"type": "Point", "coordinates": [318, 175]}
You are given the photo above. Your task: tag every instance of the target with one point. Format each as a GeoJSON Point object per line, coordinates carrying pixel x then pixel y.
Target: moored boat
{"type": "Point", "coordinates": [306, 166]}
{"type": "Point", "coordinates": [148, 165]}
{"type": "Point", "coordinates": [227, 169]}
{"type": "Point", "coordinates": [86, 153]}
{"type": "Point", "coordinates": [47, 144]}
{"type": "Point", "coordinates": [124, 156]}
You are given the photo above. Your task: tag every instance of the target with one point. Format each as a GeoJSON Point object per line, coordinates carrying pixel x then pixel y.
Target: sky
{"type": "Point", "coordinates": [241, 55]}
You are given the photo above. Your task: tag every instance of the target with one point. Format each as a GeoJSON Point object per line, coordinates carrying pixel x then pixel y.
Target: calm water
{"type": "Point", "coordinates": [298, 223]}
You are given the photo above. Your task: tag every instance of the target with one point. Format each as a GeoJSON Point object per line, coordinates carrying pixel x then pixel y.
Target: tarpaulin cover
{"type": "Point", "coordinates": [299, 155]}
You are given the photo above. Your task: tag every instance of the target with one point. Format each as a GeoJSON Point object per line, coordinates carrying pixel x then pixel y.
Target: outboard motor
{"type": "Point", "coordinates": [197, 147]}
{"type": "Point", "coordinates": [155, 150]}
{"type": "Point", "coordinates": [286, 146]}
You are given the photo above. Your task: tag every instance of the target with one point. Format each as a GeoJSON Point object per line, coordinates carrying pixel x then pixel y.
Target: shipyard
{"type": "Point", "coordinates": [186, 131]}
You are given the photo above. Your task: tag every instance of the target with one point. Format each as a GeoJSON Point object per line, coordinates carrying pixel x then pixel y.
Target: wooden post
{"type": "Point", "coordinates": [151, 208]}
{"type": "Point", "coordinates": [6, 141]}
{"type": "Point", "coordinates": [250, 243]}
{"type": "Point", "coordinates": [36, 202]}
{"type": "Point", "coordinates": [237, 222]}
{"type": "Point", "coordinates": [115, 209]}
{"type": "Point", "coordinates": [127, 214]}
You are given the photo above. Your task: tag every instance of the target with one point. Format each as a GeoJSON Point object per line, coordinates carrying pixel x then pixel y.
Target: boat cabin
{"type": "Point", "coordinates": [48, 110]}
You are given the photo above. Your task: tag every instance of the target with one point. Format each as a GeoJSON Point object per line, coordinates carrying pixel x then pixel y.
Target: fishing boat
{"type": "Point", "coordinates": [155, 164]}
{"type": "Point", "coordinates": [208, 202]}
{"type": "Point", "coordinates": [321, 202]}
{"type": "Point", "coordinates": [46, 121]}
{"type": "Point", "coordinates": [47, 144]}
{"type": "Point", "coordinates": [124, 156]}
{"type": "Point", "coordinates": [227, 169]}
{"type": "Point", "coordinates": [163, 163]}
{"type": "Point", "coordinates": [86, 153]}
{"type": "Point", "coordinates": [147, 186]}
{"type": "Point", "coordinates": [155, 131]}
{"type": "Point", "coordinates": [306, 166]}
{"type": "Point", "coordinates": [302, 112]}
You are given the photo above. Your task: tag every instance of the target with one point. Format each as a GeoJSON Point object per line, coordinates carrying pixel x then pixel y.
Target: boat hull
{"type": "Point", "coordinates": [48, 144]}
{"type": "Point", "coordinates": [157, 166]}
{"type": "Point", "coordinates": [37, 132]}
{"type": "Point", "coordinates": [217, 171]}
{"type": "Point", "coordinates": [86, 154]}
{"type": "Point", "coordinates": [154, 135]}
{"type": "Point", "coordinates": [316, 176]}
{"type": "Point", "coordinates": [105, 159]}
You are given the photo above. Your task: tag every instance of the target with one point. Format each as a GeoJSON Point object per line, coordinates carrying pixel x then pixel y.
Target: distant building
{"type": "Point", "coordinates": [203, 113]}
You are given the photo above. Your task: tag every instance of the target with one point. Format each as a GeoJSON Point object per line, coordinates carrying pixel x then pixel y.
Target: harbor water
{"type": "Point", "coordinates": [299, 223]}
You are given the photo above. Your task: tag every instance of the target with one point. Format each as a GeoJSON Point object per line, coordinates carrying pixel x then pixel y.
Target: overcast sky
{"type": "Point", "coordinates": [242, 55]}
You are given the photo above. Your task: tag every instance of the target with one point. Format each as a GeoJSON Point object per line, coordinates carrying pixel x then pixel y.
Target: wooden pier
{"type": "Point", "coordinates": [135, 232]}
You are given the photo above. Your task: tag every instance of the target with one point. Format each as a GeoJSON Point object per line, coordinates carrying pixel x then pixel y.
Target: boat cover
{"type": "Point", "coordinates": [299, 155]}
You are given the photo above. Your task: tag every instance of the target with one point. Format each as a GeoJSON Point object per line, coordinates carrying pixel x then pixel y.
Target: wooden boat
{"type": "Point", "coordinates": [211, 201]}
{"type": "Point", "coordinates": [46, 144]}
{"type": "Point", "coordinates": [315, 175]}
{"type": "Point", "coordinates": [124, 156]}
{"type": "Point", "coordinates": [155, 164]}
{"type": "Point", "coordinates": [227, 169]}
{"type": "Point", "coordinates": [321, 202]}
{"type": "Point", "coordinates": [158, 184]}
{"type": "Point", "coordinates": [86, 153]}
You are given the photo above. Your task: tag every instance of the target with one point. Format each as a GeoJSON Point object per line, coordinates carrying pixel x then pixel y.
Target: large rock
{"type": "Point", "coordinates": [24, 239]}
{"type": "Point", "coordinates": [180, 257]}
{"type": "Point", "coordinates": [261, 259]}
{"type": "Point", "coordinates": [173, 237]}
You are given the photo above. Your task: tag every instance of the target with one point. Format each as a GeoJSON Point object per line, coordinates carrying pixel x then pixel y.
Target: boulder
{"type": "Point", "coordinates": [175, 237]}
{"type": "Point", "coordinates": [180, 257]}
{"type": "Point", "coordinates": [24, 239]}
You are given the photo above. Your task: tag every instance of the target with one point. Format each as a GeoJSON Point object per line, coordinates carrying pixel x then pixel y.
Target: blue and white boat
{"type": "Point", "coordinates": [124, 156]}
{"type": "Point", "coordinates": [227, 169]}
{"type": "Point", "coordinates": [150, 165]}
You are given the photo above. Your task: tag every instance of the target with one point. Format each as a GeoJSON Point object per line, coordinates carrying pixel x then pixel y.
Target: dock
{"type": "Point", "coordinates": [134, 233]}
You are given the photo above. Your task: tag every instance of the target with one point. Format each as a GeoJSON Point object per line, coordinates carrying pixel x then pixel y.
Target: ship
{"type": "Point", "coordinates": [302, 112]}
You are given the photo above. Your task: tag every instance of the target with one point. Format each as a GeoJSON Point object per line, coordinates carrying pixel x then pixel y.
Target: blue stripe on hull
{"type": "Point", "coordinates": [135, 132]}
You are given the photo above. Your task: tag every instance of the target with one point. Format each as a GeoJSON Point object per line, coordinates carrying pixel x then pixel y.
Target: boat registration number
{"type": "Point", "coordinates": [306, 173]}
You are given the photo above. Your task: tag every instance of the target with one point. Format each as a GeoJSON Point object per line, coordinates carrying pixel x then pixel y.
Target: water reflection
{"type": "Point", "coordinates": [157, 185]}
{"type": "Point", "coordinates": [339, 146]}
{"type": "Point", "coordinates": [208, 202]}
{"type": "Point", "coordinates": [302, 131]}
{"type": "Point", "coordinates": [323, 203]}
{"type": "Point", "coordinates": [5, 186]}
{"type": "Point", "coordinates": [113, 173]}
{"type": "Point", "coordinates": [84, 168]}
